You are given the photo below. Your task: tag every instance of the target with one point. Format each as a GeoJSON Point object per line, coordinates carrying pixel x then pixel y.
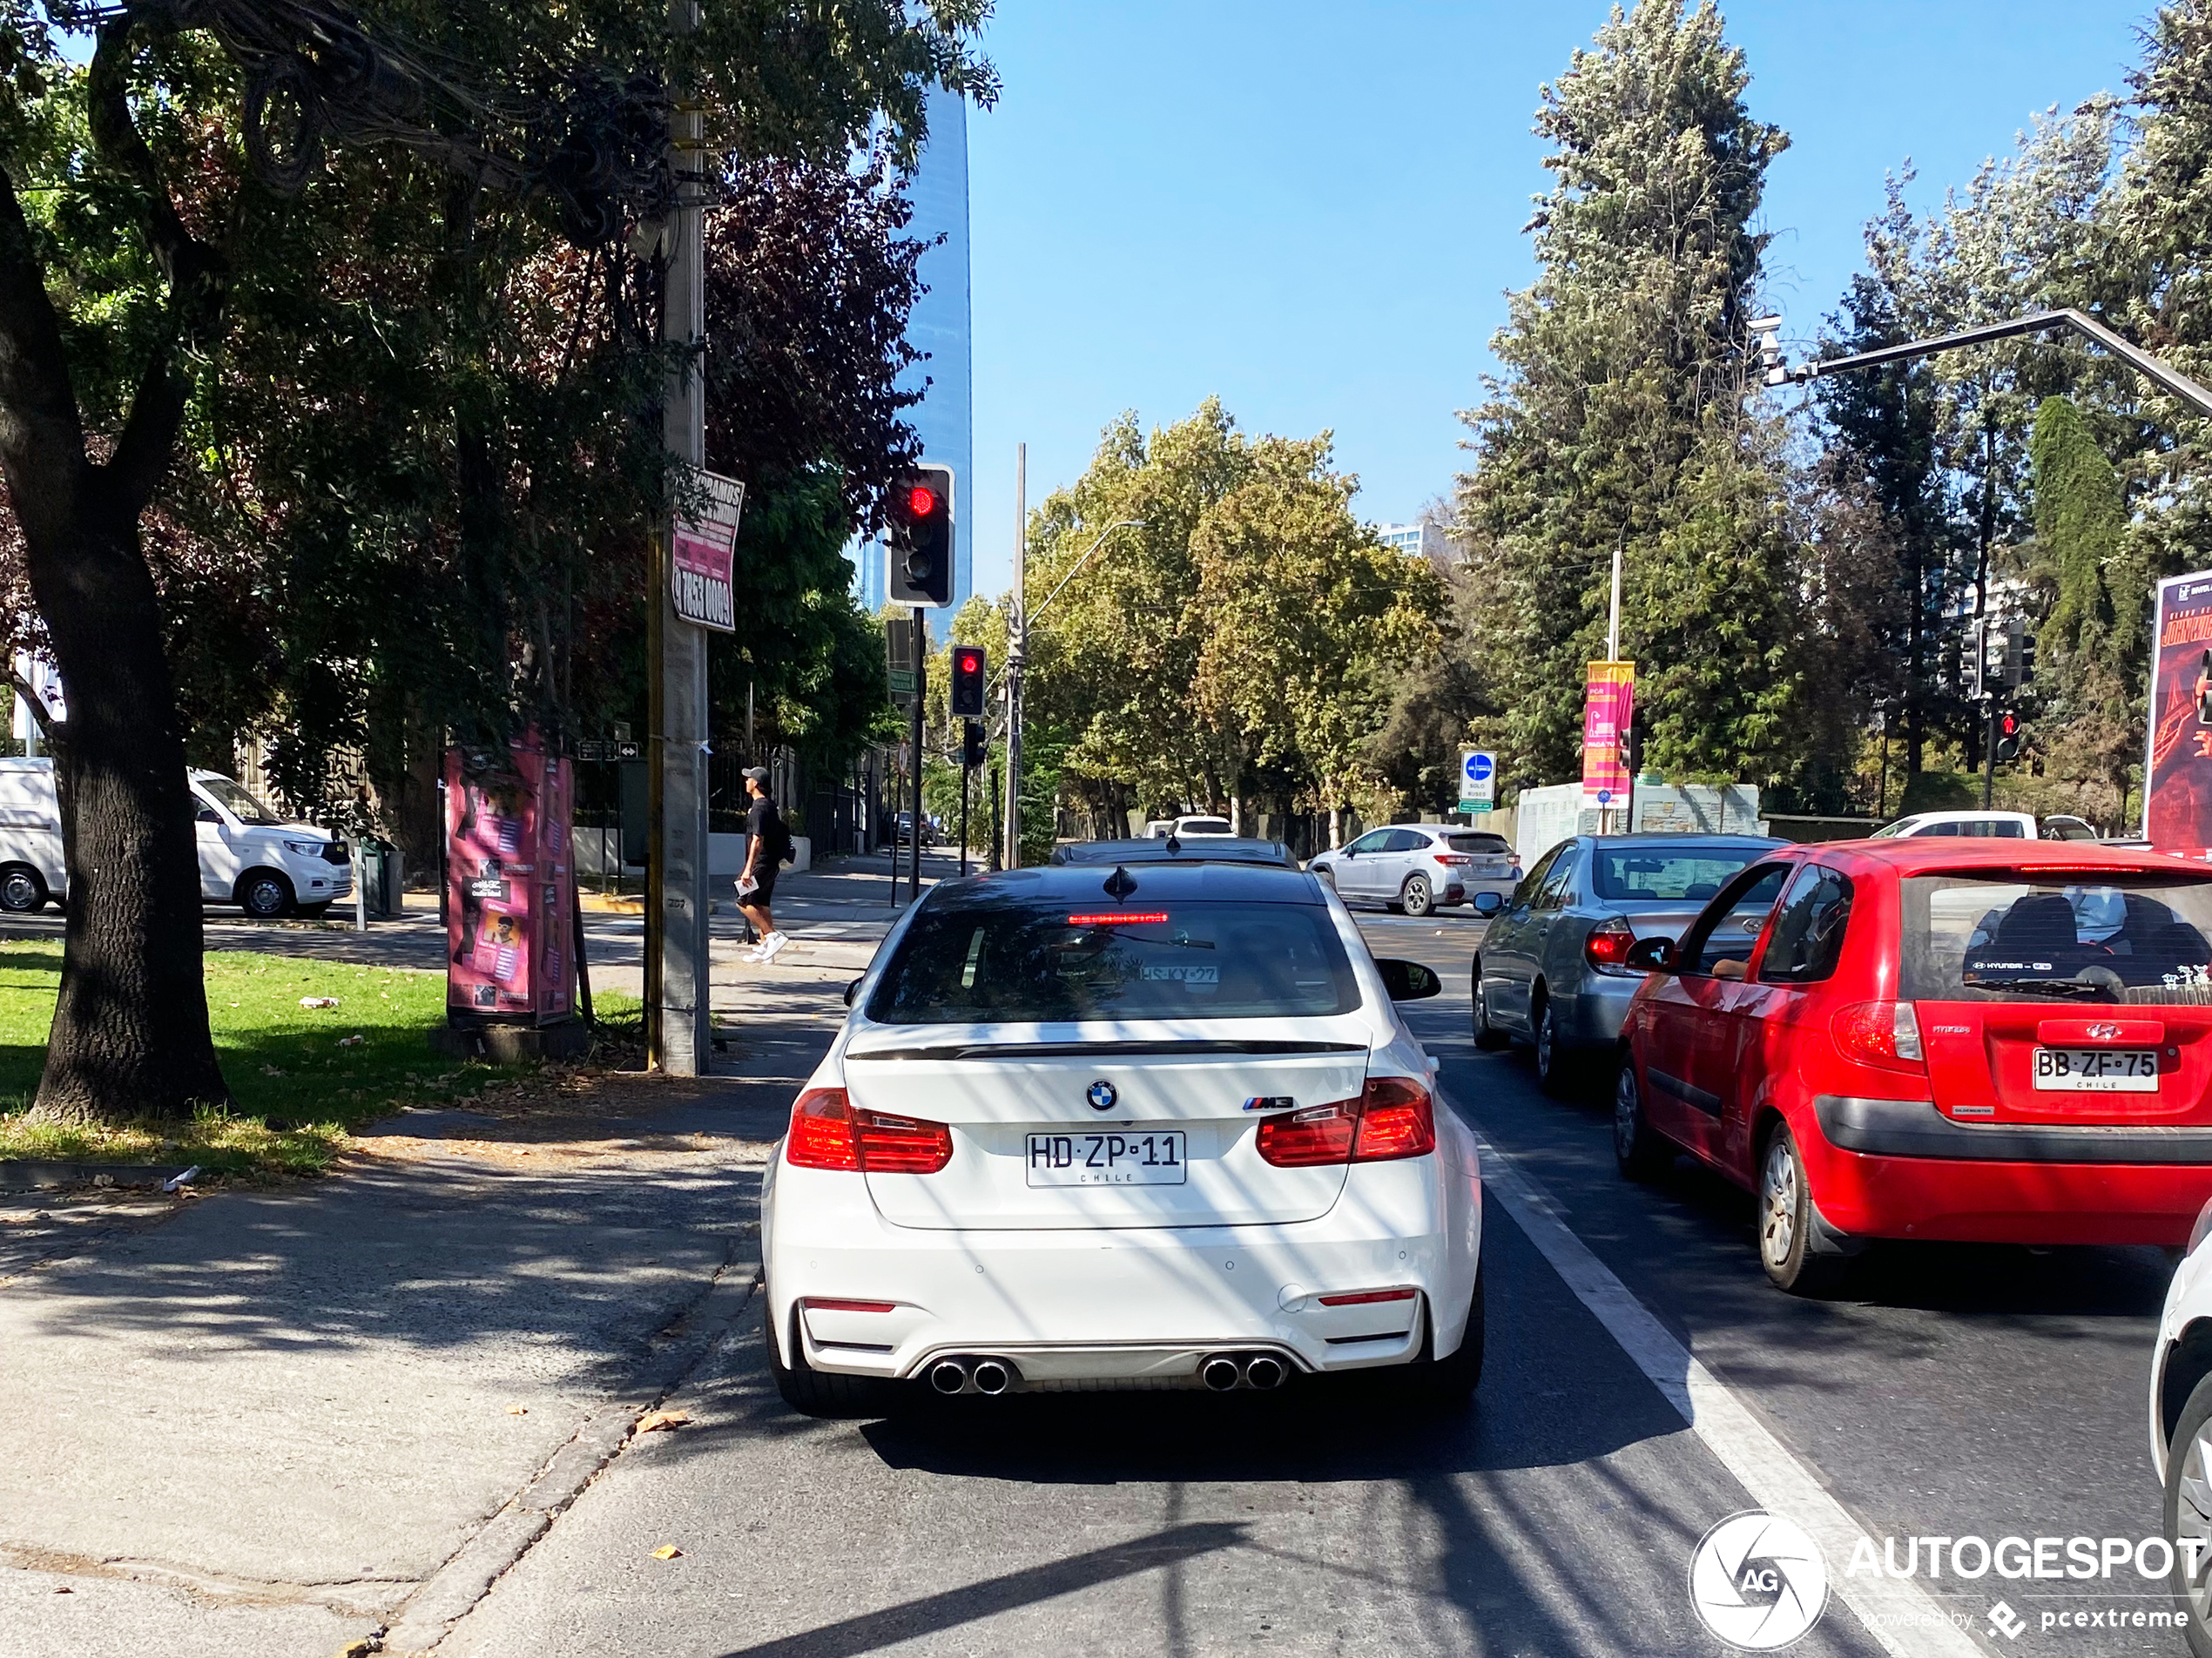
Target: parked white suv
{"type": "Point", "coordinates": [247, 855]}
{"type": "Point", "coordinates": [2001, 825]}
{"type": "Point", "coordinates": [1416, 867]}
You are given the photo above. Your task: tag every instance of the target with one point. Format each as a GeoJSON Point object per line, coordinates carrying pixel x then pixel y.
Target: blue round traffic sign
{"type": "Point", "coordinates": [1479, 766]}
{"type": "Point", "coordinates": [1605, 797]}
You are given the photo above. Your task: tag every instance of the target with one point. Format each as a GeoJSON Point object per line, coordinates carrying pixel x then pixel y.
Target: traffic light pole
{"type": "Point", "coordinates": [1017, 650]}
{"type": "Point", "coordinates": [921, 692]}
{"type": "Point", "coordinates": [1989, 756]}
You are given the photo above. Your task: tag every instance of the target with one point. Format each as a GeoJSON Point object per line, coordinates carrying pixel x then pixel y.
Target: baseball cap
{"type": "Point", "coordinates": [757, 773]}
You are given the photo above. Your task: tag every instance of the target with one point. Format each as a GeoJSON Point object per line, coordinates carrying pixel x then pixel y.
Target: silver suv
{"type": "Point", "coordinates": [1416, 867]}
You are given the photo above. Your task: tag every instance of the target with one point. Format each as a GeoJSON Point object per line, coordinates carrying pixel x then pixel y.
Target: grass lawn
{"type": "Point", "coordinates": [301, 1076]}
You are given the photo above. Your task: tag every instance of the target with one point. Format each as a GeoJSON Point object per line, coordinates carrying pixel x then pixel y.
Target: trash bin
{"type": "Point", "coordinates": [380, 870]}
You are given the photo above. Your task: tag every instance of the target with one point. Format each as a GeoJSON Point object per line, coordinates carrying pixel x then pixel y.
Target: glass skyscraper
{"type": "Point", "coordinates": [939, 326]}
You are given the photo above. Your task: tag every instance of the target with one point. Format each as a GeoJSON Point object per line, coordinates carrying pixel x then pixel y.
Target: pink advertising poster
{"type": "Point", "coordinates": [507, 922]}
{"type": "Point", "coordinates": [1609, 702]}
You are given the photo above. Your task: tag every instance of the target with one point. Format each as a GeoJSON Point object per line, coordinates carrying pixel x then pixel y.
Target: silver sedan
{"type": "Point", "coordinates": [1552, 969]}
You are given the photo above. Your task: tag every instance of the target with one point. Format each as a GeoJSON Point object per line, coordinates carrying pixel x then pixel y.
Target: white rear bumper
{"type": "Point", "coordinates": [1122, 1306]}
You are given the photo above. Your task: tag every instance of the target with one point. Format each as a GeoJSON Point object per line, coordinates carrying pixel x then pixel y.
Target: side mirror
{"type": "Point", "coordinates": [1489, 904]}
{"type": "Point", "coordinates": [1408, 980]}
{"type": "Point", "coordinates": [851, 991]}
{"type": "Point", "coordinates": [1349, 852]}
{"type": "Point", "coordinates": [1651, 955]}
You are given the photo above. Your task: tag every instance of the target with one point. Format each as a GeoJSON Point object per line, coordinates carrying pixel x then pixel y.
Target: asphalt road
{"type": "Point", "coordinates": [1953, 1392]}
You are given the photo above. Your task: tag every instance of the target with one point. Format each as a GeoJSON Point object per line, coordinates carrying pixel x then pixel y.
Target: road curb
{"type": "Point", "coordinates": [456, 1587]}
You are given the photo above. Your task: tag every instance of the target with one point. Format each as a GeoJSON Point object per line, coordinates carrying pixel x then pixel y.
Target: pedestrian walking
{"type": "Point", "coordinates": [767, 843]}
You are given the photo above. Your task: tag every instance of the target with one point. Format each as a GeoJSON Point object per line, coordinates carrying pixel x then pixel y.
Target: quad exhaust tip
{"type": "Point", "coordinates": [965, 1375]}
{"type": "Point", "coordinates": [1260, 1372]}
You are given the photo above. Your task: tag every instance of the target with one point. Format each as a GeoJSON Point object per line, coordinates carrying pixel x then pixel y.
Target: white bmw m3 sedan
{"type": "Point", "coordinates": [1156, 1127]}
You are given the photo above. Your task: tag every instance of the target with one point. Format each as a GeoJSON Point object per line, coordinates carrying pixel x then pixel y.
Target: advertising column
{"type": "Point", "coordinates": [508, 926]}
{"type": "Point", "coordinates": [2177, 770]}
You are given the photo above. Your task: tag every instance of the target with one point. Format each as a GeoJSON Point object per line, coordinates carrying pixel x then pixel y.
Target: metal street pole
{"type": "Point", "coordinates": [1017, 651]}
{"type": "Point", "coordinates": [678, 1018]}
{"type": "Point", "coordinates": [922, 690]}
{"type": "Point", "coordinates": [1613, 653]}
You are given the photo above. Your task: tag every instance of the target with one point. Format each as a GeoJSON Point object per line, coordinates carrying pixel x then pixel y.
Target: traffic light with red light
{"type": "Point", "coordinates": [2010, 734]}
{"type": "Point", "coordinates": [919, 538]}
{"type": "Point", "coordinates": [968, 667]}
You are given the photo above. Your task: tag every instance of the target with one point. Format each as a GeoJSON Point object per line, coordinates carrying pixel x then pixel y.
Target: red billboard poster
{"type": "Point", "coordinates": [1608, 702]}
{"type": "Point", "coordinates": [702, 554]}
{"type": "Point", "coordinates": [2177, 770]}
{"type": "Point", "coordinates": [509, 925]}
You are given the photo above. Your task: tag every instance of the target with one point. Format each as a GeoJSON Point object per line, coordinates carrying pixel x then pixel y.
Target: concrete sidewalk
{"type": "Point", "coordinates": [274, 1422]}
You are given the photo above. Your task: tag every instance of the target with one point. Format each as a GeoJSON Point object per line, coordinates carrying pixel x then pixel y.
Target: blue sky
{"type": "Point", "coordinates": [1314, 209]}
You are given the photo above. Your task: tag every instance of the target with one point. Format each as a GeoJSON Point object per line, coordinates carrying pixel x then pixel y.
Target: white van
{"type": "Point", "coordinates": [248, 856]}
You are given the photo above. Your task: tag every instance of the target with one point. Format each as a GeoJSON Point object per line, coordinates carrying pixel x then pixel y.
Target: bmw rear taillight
{"type": "Point", "coordinates": [1606, 947]}
{"type": "Point", "coordinates": [1397, 1120]}
{"type": "Point", "coordinates": [1320, 1134]}
{"type": "Point", "coordinates": [828, 1132]}
{"type": "Point", "coordinates": [1394, 1117]}
{"type": "Point", "coordinates": [1885, 1034]}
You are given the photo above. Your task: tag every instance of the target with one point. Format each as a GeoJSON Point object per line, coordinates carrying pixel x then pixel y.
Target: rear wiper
{"type": "Point", "coordinates": [2074, 987]}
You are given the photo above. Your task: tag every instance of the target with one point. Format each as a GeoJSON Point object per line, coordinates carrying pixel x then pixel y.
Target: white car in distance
{"type": "Point", "coordinates": [1159, 1126]}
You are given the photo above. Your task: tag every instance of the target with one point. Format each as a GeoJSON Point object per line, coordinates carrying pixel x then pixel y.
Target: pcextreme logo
{"type": "Point", "coordinates": [1758, 1581]}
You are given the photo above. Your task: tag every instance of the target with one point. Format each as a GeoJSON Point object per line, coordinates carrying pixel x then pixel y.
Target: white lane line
{"type": "Point", "coordinates": [1901, 1615]}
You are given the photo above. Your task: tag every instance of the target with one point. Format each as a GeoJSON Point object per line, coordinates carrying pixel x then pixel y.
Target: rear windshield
{"type": "Point", "coordinates": [2058, 937]}
{"type": "Point", "coordinates": [1017, 961]}
{"type": "Point", "coordinates": [1206, 825]}
{"type": "Point", "coordinates": [1491, 844]}
{"type": "Point", "coordinates": [1667, 875]}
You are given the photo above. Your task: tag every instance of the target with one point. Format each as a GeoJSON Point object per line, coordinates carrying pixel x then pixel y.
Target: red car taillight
{"type": "Point", "coordinates": [828, 1132]}
{"type": "Point", "coordinates": [1606, 947]}
{"type": "Point", "coordinates": [1885, 1034]}
{"type": "Point", "coordinates": [1394, 1117]}
{"type": "Point", "coordinates": [1453, 859]}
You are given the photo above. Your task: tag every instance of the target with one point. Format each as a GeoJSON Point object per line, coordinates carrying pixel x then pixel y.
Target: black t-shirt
{"type": "Point", "coordinates": [766, 826]}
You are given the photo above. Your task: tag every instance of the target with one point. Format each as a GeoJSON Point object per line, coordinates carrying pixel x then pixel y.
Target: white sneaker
{"type": "Point", "coordinates": [754, 954]}
{"type": "Point", "coordinates": [770, 944]}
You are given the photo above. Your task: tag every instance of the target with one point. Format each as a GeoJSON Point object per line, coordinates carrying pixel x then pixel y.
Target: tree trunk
{"type": "Point", "coordinates": [130, 1036]}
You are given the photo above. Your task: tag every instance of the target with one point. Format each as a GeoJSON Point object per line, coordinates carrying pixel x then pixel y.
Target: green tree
{"type": "Point", "coordinates": [117, 295]}
{"type": "Point", "coordinates": [1622, 417]}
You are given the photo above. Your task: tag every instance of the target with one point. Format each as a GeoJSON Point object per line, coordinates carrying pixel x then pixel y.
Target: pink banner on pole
{"type": "Point", "coordinates": [509, 924]}
{"type": "Point", "coordinates": [1609, 702]}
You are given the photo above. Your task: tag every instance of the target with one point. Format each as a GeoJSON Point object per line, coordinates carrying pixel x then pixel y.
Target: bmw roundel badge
{"type": "Point", "coordinates": [1101, 1096]}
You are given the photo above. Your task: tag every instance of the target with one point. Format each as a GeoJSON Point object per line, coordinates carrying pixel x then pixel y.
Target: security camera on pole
{"type": "Point", "coordinates": [919, 545]}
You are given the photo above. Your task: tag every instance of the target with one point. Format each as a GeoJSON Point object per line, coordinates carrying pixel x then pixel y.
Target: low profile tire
{"type": "Point", "coordinates": [1556, 1067]}
{"type": "Point", "coordinates": [2189, 1515]}
{"type": "Point", "coordinates": [265, 895]}
{"type": "Point", "coordinates": [1447, 1383]}
{"type": "Point", "coordinates": [1639, 1150]}
{"type": "Point", "coordinates": [1785, 1225]}
{"type": "Point", "coordinates": [1417, 899]}
{"type": "Point", "coordinates": [1488, 1037]}
{"type": "Point", "coordinates": [22, 889]}
{"type": "Point", "coordinates": [819, 1392]}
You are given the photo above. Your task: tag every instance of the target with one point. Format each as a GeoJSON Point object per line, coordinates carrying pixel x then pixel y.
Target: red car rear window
{"type": "Point", "coordinates": [2092, 937]}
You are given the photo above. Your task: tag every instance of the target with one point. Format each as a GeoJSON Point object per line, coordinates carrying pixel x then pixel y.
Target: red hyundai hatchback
{"type": "Point", "coordinates": [1934, 1039]}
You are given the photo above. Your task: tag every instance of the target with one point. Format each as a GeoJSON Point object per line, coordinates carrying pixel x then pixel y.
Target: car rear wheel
{"type": "Point", "coordinates": [265, 894]}
{"type": "Point", "coordinates": [1555, 1068]}
{"type": "Point", "coordinates": [1488, 1037]}
{"type": "Point", "coordinates": [1417, 898]}
{"type": "Point", "coordinates": [22, 889]}
{"type": "Point", "coordinates": [1785, 1220]}
{"type": "Point", "coordinates": [820, 1393]}
{"type": "Point", "coordinates": [1450, 1381]}
{"type": "Point", "coordinates": [1640, 1149]}
{"type": "Point", "coordinates": [2189, 1516]}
